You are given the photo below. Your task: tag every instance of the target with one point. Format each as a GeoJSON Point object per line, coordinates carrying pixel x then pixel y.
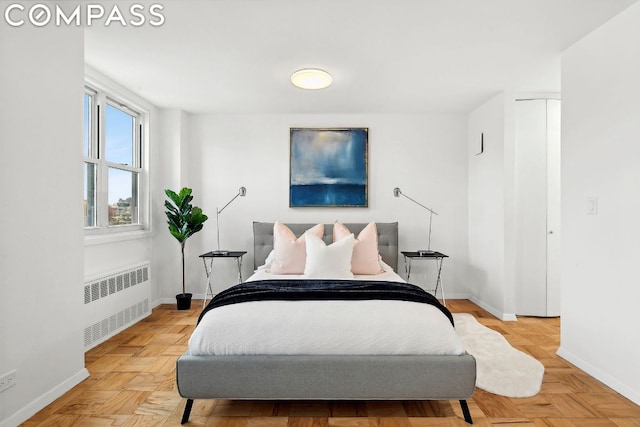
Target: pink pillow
{"type": "Point", "coordinates": [365, 258]}
{"type": "Point", "coordinates": [290, 254]}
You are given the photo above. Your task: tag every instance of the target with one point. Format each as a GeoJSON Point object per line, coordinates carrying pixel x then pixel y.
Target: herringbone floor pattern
{"type": "Point", "coordinates": [132, 383]}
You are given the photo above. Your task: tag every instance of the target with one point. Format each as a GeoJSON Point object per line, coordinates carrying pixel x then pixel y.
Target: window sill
{"type": "Point", "coordinates": [100, 239]}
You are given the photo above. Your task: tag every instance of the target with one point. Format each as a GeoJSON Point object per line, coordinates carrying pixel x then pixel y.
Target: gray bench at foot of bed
{"type": "Point", "coordinates": [326, 378]}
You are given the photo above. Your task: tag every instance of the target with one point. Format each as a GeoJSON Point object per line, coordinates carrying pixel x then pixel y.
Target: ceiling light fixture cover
{"type": "Point", "coordinates": [311, 78]}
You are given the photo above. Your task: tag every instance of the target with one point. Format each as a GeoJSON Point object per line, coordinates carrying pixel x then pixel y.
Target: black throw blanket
{"type": "Point", "coordinates": [323, 290]}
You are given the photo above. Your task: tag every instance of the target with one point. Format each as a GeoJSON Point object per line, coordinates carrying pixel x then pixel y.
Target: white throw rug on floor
{"type": "Point", "coordinates": [501, 369]}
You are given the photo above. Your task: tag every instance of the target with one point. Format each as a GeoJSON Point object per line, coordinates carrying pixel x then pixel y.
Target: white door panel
{"type": "Point", "coordinates": [553, 207]}
{"type": "Point", "coordinates": [537, 156]}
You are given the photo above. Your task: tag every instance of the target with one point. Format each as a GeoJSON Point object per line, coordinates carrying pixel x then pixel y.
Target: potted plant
{"type": "Point", "coordinates": [184, 221]}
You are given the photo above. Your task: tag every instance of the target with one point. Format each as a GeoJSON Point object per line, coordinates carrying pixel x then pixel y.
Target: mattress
{"type": "Point", "coordinates": [335, 327]}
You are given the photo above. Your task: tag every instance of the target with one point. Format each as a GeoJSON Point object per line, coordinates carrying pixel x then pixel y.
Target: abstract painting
{"type": "Point", "coordinates": [328, 167]}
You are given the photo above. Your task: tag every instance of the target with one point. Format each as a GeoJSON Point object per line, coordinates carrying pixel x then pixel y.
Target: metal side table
{"type": "Point", "coordinates": [208, 269]}
{"type": "Point", "coordinates": [438, 257]}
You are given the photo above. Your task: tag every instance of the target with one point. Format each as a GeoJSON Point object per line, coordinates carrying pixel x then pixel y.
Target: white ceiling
{"type": "Point", "coordinates": [406, 56]}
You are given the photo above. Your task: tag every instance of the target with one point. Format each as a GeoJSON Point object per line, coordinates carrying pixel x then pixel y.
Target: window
{"type": "Point", "coordinates": [113, 163]}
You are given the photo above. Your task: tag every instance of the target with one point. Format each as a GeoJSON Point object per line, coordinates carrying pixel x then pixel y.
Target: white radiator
{"type": "Point", "coordinates": [104, 286]}
{"type": "Point", "coordinates": [114, 302]}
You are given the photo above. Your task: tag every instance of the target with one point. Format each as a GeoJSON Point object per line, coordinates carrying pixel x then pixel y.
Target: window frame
{"type": "Point", "coordinates": [105, 93]}
{"type": "Point", "coordinates": [90, 156]}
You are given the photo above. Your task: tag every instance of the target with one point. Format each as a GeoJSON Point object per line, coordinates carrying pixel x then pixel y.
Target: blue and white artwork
{"type": "Point", "coordinates": [328, 167]}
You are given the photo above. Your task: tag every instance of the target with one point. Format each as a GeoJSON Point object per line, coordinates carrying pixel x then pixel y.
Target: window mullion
{"type": "Point", "coordinates": [103, 190]}
{"type": "Point", "coordinates": [139, 136]}
{"type": "Point", "coordinates": [122, 167]}
{"type": "Point", "coordinates": [102, 195]}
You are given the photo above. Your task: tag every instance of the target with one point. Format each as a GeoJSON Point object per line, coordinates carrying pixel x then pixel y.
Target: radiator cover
{"type": "Point", "coordinates": [114, 302]}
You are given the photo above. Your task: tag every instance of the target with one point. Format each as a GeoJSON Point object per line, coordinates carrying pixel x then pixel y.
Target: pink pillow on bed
{"type": "Point", "coordinates": [290, 254]}
{"type": "Point", "coordinates": [365, 258]}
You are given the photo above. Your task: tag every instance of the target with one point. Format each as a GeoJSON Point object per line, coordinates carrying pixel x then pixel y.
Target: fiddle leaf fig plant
{"type": "Point", "coordinates": [184, 220]}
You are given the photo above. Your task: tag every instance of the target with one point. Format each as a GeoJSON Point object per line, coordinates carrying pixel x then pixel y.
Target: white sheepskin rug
{"type": "Point", "coordinates": [501, 369]}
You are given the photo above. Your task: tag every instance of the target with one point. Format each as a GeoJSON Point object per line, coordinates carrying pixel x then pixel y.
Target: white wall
{"type": "Point", "coordinates": [600, 152]}
{"type": "Point", "coordinates": [423, 154]}
{"type": "Point", "coordinates": [494, 203]}
{"type": "Point", "coordinates": [41, 89]}
{"type": "Point", "coordinates": [111, 256]}
{"type": "Point", "coordinates": [486, 193]}
{"type": "Point", "coordinates": [166, 166]}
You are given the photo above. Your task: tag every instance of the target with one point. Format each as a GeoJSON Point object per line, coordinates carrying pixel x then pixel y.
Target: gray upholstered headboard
{"type": "Point", "coordinates": [387, 239]}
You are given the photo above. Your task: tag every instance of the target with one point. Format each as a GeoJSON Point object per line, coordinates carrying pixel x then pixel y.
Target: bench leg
{"type": "Point", "coordinates": [187, 411]}
{"type": "Point", "coordinates": [465, 411]}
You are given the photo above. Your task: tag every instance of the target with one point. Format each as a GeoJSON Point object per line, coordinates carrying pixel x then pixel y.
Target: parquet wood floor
{"type": "Point", "coordinates": [132, 383]}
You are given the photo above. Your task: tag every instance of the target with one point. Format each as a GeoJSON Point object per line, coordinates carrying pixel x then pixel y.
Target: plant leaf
{"type": "Point", "coordinates": [183, 218]}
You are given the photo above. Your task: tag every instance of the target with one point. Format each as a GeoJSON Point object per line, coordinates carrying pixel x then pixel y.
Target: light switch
{"type": "Point", "coordinates": [592, 205]}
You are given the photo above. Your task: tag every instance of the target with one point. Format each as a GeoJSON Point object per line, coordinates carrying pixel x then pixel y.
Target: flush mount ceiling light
{"type": "Point", "coordinates": [311, 78]}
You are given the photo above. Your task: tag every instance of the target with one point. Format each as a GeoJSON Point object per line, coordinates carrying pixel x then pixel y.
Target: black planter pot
{"type": "Point", "coordinates": [183, 301]}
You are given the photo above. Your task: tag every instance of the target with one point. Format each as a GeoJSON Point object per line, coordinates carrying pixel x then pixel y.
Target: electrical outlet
{"type": "Point", "coordinates": [8, 380]}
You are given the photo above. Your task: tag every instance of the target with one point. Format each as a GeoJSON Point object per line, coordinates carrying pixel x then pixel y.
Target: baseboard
{"type": "Point", "coordinates": [161, 301]}
{"type": "Point", "coordinates": [32, 408]}
{"type": "Point", "coordinates": [455, 295]}
{"type": "Point", "coordinates": [505, 317]}
{"type": "Point", "coordinates": [509, 317]}
{"type": "Point", "coordinates": [597, 373]}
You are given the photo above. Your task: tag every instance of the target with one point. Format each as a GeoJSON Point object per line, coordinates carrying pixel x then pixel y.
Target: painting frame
{"type": "Point", "coordinates": [329, 167]}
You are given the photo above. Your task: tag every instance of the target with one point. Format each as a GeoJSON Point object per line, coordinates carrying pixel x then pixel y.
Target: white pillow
{"type": "Point", "coordinates": [385, 267]}
{"type": "Point", "coordinates": [329, 262]}
{"type": "Point", "coordinates": [268, 261]}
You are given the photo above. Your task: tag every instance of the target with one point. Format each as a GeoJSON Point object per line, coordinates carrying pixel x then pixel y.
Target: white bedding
{"type": "Point", "coordinates": [370, 327]}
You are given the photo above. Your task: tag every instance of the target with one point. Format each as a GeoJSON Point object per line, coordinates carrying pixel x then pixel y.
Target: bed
{"type": "Point", "coordinates": [314, 370]}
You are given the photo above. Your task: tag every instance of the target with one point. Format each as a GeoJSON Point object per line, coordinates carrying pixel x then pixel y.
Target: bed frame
{"type": "Point", "coordinates": [321, 377]}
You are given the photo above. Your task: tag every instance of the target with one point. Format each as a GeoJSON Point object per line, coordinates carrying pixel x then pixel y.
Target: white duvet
{"type": "Point", "coordinates": [370, 327]}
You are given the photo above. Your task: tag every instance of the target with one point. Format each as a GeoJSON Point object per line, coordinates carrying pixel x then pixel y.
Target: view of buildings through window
{"type": "Point", "coordinates": [112, 162]}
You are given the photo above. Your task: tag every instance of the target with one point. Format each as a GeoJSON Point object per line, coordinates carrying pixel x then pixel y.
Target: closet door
{"type": "Point", "coordinates": [553, 207]}
{"type": "Point", "coordinates": [537, 207]}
